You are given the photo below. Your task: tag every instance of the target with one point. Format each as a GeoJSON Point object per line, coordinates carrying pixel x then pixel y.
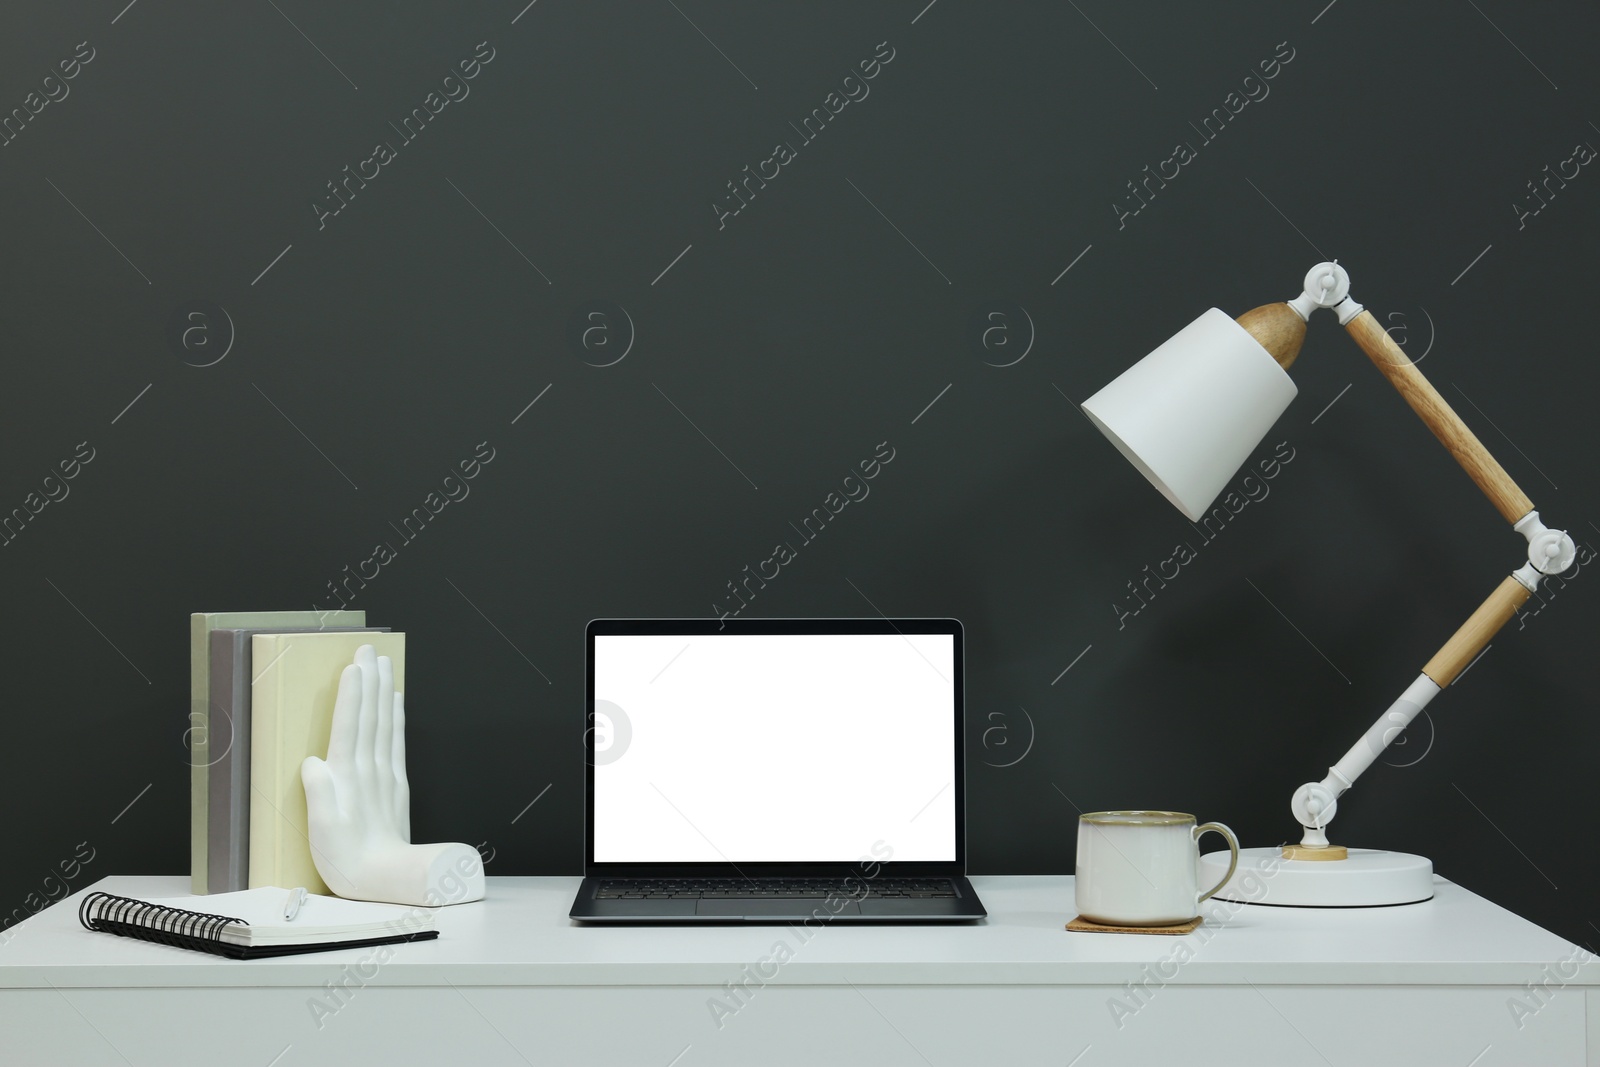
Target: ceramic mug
{"type": "Point", "coordinates": [1137, 868]}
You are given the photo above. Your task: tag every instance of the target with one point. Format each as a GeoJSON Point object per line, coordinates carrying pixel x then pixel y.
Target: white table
{"type": "Point", "coordinates": [513, 981]}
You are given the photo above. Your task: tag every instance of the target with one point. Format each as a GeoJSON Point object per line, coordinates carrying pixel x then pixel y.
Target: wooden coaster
{"type": "Point", "coordinates": [1084, 926]}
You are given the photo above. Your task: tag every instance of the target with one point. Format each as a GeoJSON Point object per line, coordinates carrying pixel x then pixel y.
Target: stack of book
{"type": "Point", "coordinates": [262, 687]}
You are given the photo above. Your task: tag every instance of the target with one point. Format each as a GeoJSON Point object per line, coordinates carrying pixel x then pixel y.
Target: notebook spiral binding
{"type": "Point", "coordinates": [127, 917]}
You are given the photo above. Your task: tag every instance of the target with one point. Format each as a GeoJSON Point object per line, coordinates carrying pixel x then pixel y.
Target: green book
{"type": "Point", "coordinates": [291, 717]}
{"type": "Point", "coordinates": [200, 626]}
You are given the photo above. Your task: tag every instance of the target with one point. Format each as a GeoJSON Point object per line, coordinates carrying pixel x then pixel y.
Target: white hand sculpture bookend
{"type": "Point", "coordinates": [359, 803]}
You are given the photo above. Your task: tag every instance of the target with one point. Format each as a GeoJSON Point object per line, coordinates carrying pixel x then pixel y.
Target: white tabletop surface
{"type": "Point", "coordinates": [521, 936]}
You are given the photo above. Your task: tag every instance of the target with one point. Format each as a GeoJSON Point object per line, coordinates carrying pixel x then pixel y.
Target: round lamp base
{"type": "Point", "coordinates": [1368, 878]}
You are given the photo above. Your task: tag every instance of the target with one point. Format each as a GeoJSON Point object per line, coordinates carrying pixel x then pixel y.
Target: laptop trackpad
{"type": "Point", "coordinates": [645, 909]}
{"type": "Point", "coordinates": [760, 907]}
{"type": "Point", "coordinates": [931, 907]}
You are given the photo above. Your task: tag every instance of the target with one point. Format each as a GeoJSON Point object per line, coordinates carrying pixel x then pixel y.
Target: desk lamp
{"type": "Point", "coordinates": [1187, 416]}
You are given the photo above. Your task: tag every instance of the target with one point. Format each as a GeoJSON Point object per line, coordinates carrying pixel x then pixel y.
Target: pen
{"type": "Point", "coordinates": [291, 907]}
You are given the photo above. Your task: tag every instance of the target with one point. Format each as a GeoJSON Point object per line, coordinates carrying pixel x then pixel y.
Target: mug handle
{"type": "Point", "coordinates": [1233, 858]}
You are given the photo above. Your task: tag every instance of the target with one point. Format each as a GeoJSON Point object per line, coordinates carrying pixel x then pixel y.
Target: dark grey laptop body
{"type": "Point", "coordinates": [815, 894]}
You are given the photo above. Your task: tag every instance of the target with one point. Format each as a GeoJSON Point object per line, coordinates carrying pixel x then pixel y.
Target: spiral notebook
{"type": "Point", "coordinates": [250, 925]}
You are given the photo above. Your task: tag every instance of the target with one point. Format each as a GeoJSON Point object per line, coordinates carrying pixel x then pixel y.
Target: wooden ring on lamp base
{"type": "Point", "coordinates": [1330, 852]}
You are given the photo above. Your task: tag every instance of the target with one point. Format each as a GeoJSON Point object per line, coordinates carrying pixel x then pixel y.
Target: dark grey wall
{"type": "Point", "coordinates": [374, 349]}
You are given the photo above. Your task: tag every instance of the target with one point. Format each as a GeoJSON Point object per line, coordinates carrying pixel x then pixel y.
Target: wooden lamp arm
{"type": "Point", "coordinates": [1315, 803]}
{"type": "Point", "coordinates": [1476, 633]}
{"type": "Point", "coordinates": [1446, 425]}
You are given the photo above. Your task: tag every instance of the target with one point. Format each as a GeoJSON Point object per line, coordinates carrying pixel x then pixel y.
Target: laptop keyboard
{"type": "Point", "coordinates": [772, 888]}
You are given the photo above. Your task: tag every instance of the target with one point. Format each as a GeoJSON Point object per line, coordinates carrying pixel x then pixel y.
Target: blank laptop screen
{"type": "Point", "coordinates": [782, 748]}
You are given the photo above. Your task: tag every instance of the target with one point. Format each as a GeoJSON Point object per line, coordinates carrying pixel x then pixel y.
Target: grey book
{"type": "Point", "coordinates": [201, 623]}
{"type": "Point", "coordinates": [228, 773]}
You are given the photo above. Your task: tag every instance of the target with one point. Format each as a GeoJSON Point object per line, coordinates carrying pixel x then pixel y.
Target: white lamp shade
{"type": "Point", "coordinates": [1189, 414]}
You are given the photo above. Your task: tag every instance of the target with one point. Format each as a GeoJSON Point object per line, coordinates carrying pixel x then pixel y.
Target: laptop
{"type": "Point", "coordinates": [775, 770]}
